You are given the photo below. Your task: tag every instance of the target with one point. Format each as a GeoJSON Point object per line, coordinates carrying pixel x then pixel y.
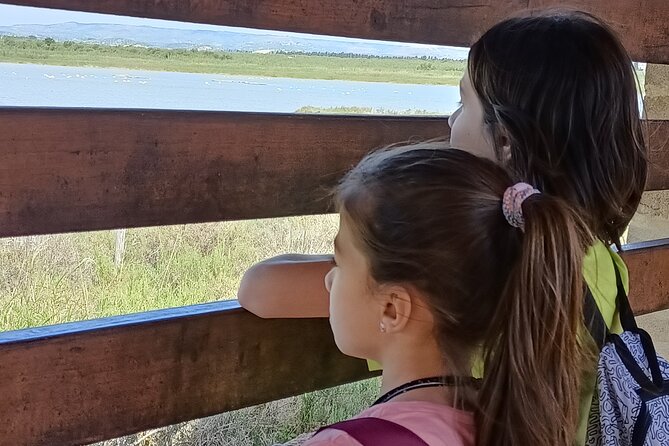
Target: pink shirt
{"type": "Point", "coordinates": [436, 424]}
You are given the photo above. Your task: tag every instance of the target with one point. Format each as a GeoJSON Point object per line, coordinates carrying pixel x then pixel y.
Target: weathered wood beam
{"type": "Point", "coordinates": [71, 170]}
{"type": "Point", "coordinates": [648, 264]}
{"type": "Point", "coordinates": [642, 24]}
{"type": "Point", "coordinates": [94, 380]}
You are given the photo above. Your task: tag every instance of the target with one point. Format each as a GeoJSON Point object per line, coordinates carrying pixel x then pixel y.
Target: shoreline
{"type": "Point", "coordinates": [420, 71]}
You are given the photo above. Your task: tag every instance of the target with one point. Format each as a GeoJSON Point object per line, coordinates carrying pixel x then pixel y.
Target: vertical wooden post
{"type": "Point", "coordinates": [120, 248]}
{"type": "Point", "coordinates": [657, 91]}
{"type": "Point", "coordinates": [652, 220]}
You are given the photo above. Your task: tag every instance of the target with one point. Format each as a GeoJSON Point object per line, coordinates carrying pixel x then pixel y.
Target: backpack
{"type": "Point", "coordinates": [631, 402]}
{"type": "Point", "coordinates": [372, 431]}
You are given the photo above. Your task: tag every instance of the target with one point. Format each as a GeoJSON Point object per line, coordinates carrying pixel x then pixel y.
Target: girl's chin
{"type": "Point", "coordinates": [349, 350]}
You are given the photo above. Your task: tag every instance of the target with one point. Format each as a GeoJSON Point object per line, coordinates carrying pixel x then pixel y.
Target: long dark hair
{"type": "Point", "coordinates": [559, 89]}
{"type": "Point", "coordinates": [431, 217]}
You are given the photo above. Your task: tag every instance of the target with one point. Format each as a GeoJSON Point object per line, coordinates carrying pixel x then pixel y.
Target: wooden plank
{"type": "Point", "coordinates": [70, 170]}
{"type": "Point", "coordinates": [135, 168]}
{"type": "Point", "coordinates": [643, 24]}
{"type": "Point", "coordinates": [94, 380]}
{"type": "Point", "coordinates": [648, 264]}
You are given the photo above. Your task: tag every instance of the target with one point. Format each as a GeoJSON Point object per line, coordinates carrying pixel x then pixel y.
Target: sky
{"type": "Point", "coordinates": [22, 15]}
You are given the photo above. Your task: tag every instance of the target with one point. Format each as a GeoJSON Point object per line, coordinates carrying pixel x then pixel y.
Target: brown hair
{"type": "Point", "coordinates": [559, 88]}
{"type": "Point", "coordinates": [431, 218]}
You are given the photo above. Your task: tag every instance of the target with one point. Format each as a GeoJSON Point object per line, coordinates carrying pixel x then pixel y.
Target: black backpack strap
{"type": "Point", "coordinates": [594, 320]}
{"type": "Point", "coordinates": [372, 431]}
{"type": "Point", "coordinates": [642, 425]}
{"type": "Point", "coordinates": [623, 305]}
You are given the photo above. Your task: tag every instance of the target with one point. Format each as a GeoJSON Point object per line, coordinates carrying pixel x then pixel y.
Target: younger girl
{"type": "Point", "coordinates": [439, 253]}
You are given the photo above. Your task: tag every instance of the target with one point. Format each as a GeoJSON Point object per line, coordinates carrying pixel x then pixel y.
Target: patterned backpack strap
{"type": "Point", "coordinates": [628, 322]}
{"type": "Point", "coordinates": [600, 333]}
{"type": "Point", "coordinates": [371, 431]}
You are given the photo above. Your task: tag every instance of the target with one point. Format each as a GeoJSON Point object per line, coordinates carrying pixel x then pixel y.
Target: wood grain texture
{"type": "Point", "coordinates": [648, 264]}
{"type": "Point", "coordinates": [642, 24]}
{"type": "Point", "coordinates": [658, 154]}
{"type": "Point", "coordinates": [71, 170]}
{"type": "Point", "coordinates": [93, 380]}
{"type": "Point", "coordinates": [102, 379]}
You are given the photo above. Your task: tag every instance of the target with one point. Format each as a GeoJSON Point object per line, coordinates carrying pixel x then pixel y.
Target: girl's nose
{"type": "Point", "coordinates": [328, 280]}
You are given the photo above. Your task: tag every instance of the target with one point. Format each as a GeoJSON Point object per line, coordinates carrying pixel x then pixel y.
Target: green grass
{"type": "Point", "coordinates": [396, 70]}
{"type": "Point", "coordinates": [61, 278]}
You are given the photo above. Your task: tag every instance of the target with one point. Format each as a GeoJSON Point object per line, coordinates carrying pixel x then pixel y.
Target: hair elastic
{"type": "Point", "coordinates": [512, 203]}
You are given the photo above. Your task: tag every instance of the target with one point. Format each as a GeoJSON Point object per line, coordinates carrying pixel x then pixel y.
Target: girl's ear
{"type": "Point", "coordinates": [396, 308]}
{"type": "Point", "coordinates": [502, 141]}
{"type": "Point", "coordinates": [506, 152]}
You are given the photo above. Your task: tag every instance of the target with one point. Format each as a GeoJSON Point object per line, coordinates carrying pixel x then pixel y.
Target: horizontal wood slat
{"type": "Point", "coordinates": [70, 170]}
{"type": "Point", "coordinates": [648, 264]}
{"type": "Point", "coordinates": [94, 380]}
{"type": "Point", "coordinates": [643, 24]}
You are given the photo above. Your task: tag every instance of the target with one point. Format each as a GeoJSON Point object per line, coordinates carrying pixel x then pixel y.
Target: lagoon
{"type": "Point", "coordinates": [55, 86]}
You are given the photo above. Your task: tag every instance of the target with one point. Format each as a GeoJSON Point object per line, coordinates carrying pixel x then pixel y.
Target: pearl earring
{"type": "Point", "coordinates": [382, 326]}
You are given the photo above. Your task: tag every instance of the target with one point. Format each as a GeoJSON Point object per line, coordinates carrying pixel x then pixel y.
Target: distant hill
{"type": "Point", "coordinates": [225, 40]}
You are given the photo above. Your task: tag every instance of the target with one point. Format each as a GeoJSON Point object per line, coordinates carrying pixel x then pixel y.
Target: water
{"type": "Point", "coordinates": [54, 86]}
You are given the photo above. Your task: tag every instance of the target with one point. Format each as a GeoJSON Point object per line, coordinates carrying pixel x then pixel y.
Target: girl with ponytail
{"type": "Point", "coordinates": [439, 255]}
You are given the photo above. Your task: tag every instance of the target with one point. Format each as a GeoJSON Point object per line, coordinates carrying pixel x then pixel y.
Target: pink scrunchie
{"type": "Point", "coordinates": [512, 203]}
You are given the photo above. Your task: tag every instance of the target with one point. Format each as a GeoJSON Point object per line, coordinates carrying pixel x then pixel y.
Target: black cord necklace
{"type": "Point", "coordinates": [435, 381]}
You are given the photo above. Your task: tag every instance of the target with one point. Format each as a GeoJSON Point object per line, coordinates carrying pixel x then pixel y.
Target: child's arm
{"type": "Point", "coordinates": [290, 285]}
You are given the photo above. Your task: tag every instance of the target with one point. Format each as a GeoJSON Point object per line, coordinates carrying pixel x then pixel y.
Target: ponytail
{"type": "Point", "coordinates": [440, 220]}
{"type": "Point", "coordinates": [534, 360]}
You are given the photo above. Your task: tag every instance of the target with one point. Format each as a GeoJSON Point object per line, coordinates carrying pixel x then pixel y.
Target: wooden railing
{"type": "Point", "coordinates": [82, 169]}
{"type": "Point", "coordinates": [641, 24]}
{"type": "Point", "coordinates": [73, 170]}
